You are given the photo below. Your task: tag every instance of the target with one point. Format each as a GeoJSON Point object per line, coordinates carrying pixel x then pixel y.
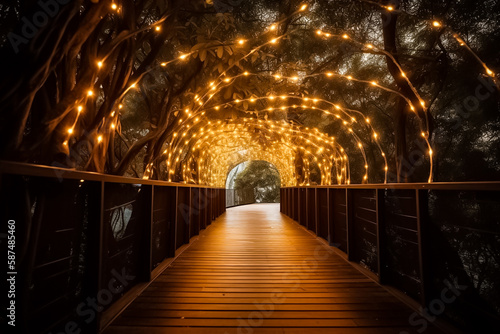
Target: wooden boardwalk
{"type": "Point", "coordinates": [256, 271]}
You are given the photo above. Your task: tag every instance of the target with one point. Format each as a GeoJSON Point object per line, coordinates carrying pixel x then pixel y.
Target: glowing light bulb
{"type": "Point", "coordinates": [303, 7]}
{"type": "Point", "coordinates": [490, 72]}
{"type": "Point", "coordinates": [113, 125]}
{"type": "Point", "coordinates": [70, 130]}
{"type": "Point", "coordinates": [436, 24]}
{"type": "Point", "coordinates": [273, 27]}
{"type": "Point", "coordinates": [114, 6]}
{"type": "Point", "coordinates": [390, 8]}
{"type": "Point", "coordinates": [274, 40]}
{"type": "Point", "coordinates": [163, 64]}
{"type": "Point", "coordinates": [120, 106]}
{"type": "Point", "coordinates": [374, 83]}
{"type": "Point", "coordinates": [241, 42]}
{"type": "Point", "coordinates": [99, 139]}
{"type": "Point", "coordinates": [182, 57]}
{"type": "Point", "coordinates": [90, 93]}
{"type": "Point", "coordinates": [158, 28]}
{"type": "Point", "coordinates": [319, 32]}
{"type": "Point", "coordinates": [227, 80]}
{"type": "Point", "coordinates": [99, 64]}
{"type": "Point", "coordinates": [80, 108]}
{"type": "Point", "coordinates": [329, 74]}
{"type": "Point", "coordinates": [246, 73]}
{"type": "Point", "coordinates": [345, 36]}
{"type": "Point", "coordinates": [369, 46]}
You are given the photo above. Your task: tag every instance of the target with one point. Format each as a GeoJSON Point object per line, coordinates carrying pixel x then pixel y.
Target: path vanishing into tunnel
{"type": "Point", "coordinates": [256, 271]}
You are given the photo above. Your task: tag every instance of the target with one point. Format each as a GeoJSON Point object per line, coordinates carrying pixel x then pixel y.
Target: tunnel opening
{"type": "Point", "coordinates": [254, 181]}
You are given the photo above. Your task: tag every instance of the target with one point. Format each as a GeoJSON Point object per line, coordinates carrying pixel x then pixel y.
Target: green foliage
{"type": "Point", "coordinates": [264, 178]}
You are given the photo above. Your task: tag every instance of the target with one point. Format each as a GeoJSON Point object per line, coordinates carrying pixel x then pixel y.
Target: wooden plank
{"type": "Point", "coordinates": [255, 265]}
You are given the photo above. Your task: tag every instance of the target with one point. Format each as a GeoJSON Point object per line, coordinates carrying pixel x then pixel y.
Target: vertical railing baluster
{"type": "Point", "coordinates": [381, 235]}
{"type": "Point", "coordinates": [421, 198]}
{"type": "Point", "coordinates": [348, 216]}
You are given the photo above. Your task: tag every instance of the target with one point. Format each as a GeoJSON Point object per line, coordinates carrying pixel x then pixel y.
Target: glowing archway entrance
{"type": "Point", "coordinates": [253, 181]}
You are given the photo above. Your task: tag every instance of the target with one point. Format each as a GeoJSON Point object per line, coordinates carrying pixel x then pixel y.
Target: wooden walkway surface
{"type": "Point", "coordinates": [256, 271]}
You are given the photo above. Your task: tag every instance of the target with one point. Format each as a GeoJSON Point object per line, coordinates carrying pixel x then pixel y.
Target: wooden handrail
{"type": "Point", "coordinates": [18, 168]}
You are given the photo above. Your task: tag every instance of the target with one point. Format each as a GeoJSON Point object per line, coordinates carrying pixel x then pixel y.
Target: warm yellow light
{"type": "Point", "coordinates": [65, 143]}
{"type": "Point", "coordinates": [158, 28]}
{"type": "Point", "coordinates": [369, 46]}
{"type": "Point", "coordinates": [90, 93]}
{"type": "Point", "coordinates": [273, 27]}
{"type": "Point", "coordinates": [70, 130]}
{"type": "Point", "coordinates": [241, 42]}
{"type": "Point", "coordinates": [490, 72]}
{"type": "Point", "coordinates": [349, 77]}
{"type": "Point", "coordinates": [246, 73]}
{"type": "Point", "coordinates": [274, 40]}
{"type": "Point", "coordinates": [345, 36]}
{"type": "Point", "coordinates": [303, 7]}
{"type": "Point", "coordinates": [374, 83]}
{"type": "Point", "coordinates": [227, 80]}
{"type": "Point", "coordinates": [319, 32]}
{"type": "Point", "coordinates": [99, 139]}
{"type": "Point", "coordinates": [390, 8]}
{"type": "Point", "coordinates": [182, 57]}
{"type": "Point", "coordinates": [113, 125]}
{"type": "Point", "coordinates": [436, 24]}
{"type": "Point", "coordinates": [423, 134]}
{"type": "Point", "coordinates": [329, 74]}
{"type": "Point", "coordinates": [163, 64]}
{"type": "Point", "coordinates": [80, 108]}
{"type": "Point", "coordinates": [133, 85]}
{"type": "Point", "coordinates": [403, 74]}
{"type": "Point", "coordinates": [99, 64]}
{"type": "Point", "coordinates": [114, 6]}
{"type": "Point", "coordinates": [120, 106]}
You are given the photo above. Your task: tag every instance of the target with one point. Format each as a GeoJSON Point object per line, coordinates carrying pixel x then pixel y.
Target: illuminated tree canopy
{"type": "Point", "coordinates": [329, 92]}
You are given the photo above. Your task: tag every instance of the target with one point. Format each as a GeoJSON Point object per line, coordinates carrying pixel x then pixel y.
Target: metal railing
{"type": "Point", "coordinates": [437, 243]}
{"type": "Point", "coordinates": [84, 241]}
{"type": "Point", "coordinates": [236, 197]}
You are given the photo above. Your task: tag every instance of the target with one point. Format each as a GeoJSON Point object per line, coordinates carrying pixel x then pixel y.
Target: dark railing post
{"type": "Point", "coordinates": [329, 217]}
{"type": "Point", "coordinates": [421, 198]}
{"type": "Point", "coordinates": [348, 220]}
{"type": "Point", "coordinates": [381, 235]}
{"type": "Point", "coordinates": [100, 254]}
{"type": "Point", "coordinates": [148, 263]}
